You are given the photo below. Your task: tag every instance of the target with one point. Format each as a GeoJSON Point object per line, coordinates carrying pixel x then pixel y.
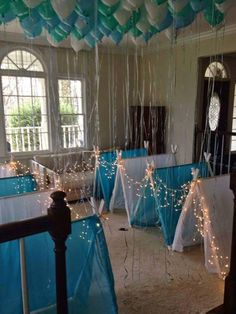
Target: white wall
{"type": "Point", "coordinates": [171, 79]}
{"type": "Point", "coordinates": [106, 77]}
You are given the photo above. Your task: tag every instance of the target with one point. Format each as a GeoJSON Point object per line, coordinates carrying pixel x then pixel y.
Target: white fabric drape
{"type": "Point", "coordinates": [125, 190]}
{"type": "Point", "coordinates": [208, 211]}
{"type": "Point", "coordinates": [24, 206]}
{"type": "Point", "coordinates": [6, 171]}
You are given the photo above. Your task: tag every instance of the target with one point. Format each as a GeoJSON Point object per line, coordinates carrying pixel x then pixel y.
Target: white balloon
{"type": "Point", "coordinates": [135, 3]}
{"type": "Point", "coordinates": [80, 23]}
{"type": "Point", "coordinates": [178, 5]}
{"type": "Point", "coordinates": [127, 5]}
{"type": "Point", "coordinates": [138, 41]}
{"type": "Point", "coordinates": [32, 3]}
{"type": "Point", "coordinates": [110, 2]}
{"type": "Point", "coordinates": [122, 16]}
{"type": "Point", "coordinates": [156, 12]}
{"type": "Point", "coordinates": [76, 44]}
{"type": "Point", "coordinates": [63, 8]}
{"type": "Point", "coordinates": [143, 25]}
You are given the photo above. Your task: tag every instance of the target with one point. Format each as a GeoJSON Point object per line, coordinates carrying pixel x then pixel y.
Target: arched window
{"type": "Point", "coordinates": [216, 70]}
{"type": "Point", "coordinates": [24, 102]}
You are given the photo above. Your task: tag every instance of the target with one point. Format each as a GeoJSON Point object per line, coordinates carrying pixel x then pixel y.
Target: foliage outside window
{"type": "Point", "coordinates": [71, 112]}
{"type": "Point", "coordinates": [24, 102]}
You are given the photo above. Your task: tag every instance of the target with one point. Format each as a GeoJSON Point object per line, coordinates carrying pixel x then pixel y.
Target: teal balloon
{"type": "Point", "coordinates": [213, 16]}
{"type": "Point", "coordinates": [107, 10]}
{"type": "Point", "coordinates": [219, 1]}
{"type": "Point", "coordinates": [160, 1]}
{"type": "Point", "coordinates": [109, 22]}
{"type": "Point", "coordinates": [76, 34]}
{"type": "Point", "coordinates": [19, 8]}
{"type": "Point", "coordinates": [90, 40]}
{"type": "Point", "coordinates": [135, 32]}
{"type": "Point", "coordinates": [4, 7]}
{"type": "Point", "coordinates": [57, 37]}
{"type": "Point", "coordinates": [46, 11]}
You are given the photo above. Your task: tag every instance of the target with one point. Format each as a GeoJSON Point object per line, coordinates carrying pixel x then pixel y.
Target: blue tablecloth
{"type": "Point", "coordinates": [17, 185]}
{"type": "Point", "coordinates": [89, 275]}
{"type": "Point", "coordinates": [106, 172]}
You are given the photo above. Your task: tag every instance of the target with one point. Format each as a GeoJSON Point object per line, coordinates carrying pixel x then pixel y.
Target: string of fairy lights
{"type": "Point", "coordinates": [204, 228]}
{"type": "Point", "coordinates": [171, 197]}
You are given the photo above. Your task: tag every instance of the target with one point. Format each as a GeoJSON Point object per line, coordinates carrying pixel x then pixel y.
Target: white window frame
{"type": "Point", "coordinates": [22, 73]}
{"type": "Point", "coordinates": [83, 89]}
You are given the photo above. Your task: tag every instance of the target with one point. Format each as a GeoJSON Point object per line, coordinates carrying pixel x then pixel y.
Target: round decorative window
{"type": "Point", "coordinates": [214, 112]}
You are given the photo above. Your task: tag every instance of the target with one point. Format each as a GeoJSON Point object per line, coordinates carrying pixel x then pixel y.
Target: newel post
{"type": "Point", "coordinates": [230, 281]}
{"type": "Point", "coordinates": [229, 305]}
{"type": "Point", "coordinates": [60, 218]}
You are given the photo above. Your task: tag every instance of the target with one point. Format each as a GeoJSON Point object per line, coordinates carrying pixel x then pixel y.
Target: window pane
{"type": "Point", "coordinates": [77, 105]}
{"type": "Point", "coordinates": [76, 89]}
{"type": "Point", "coordinates": [9, 85]}
{"type": "Point", "coordinates": [234, 125]}
{"type": "Point", "coordinates": [21, 59]}
{"type": "Point", "coordinates": [38, 86]}
{"type": "Point", "coordinates": [24, 86]}
{"type": "Point", "coordinates": [25, 112]}
{"type": "Point", "coordinates": [233, 146]}
{"type": "Point", "coordinates": [71, 110]}
{"type": "Point", "coordinates": [7, 64]}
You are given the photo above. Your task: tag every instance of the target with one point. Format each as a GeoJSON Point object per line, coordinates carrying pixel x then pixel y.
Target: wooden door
{"type": "Point", "coordinates": [148, 124]}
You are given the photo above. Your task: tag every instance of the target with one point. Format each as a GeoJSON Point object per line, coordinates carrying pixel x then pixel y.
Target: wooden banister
{"type": "Point", "coordinates": [58, 223]}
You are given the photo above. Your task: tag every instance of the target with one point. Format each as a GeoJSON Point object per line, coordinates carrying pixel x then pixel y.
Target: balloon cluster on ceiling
{"type": "Point", "coordinates": [90, 20]}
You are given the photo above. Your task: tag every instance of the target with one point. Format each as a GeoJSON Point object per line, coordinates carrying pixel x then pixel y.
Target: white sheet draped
{"type": "Point", "coordinates": [24, 206]}
{"type": "Point", "coordinates": [125, 190]}
{"type": "Point", "coordinates": [211, 200]}
{"type": "Point", "coordinates": [6, 171]}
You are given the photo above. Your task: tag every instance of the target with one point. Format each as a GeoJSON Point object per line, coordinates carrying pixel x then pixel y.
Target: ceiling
{"type": "Point", "coordinates": [13, 31]}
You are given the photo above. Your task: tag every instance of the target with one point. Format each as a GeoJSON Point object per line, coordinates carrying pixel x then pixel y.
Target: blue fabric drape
{"type": "Point", "coordinates": [17, 185]}
{"type": "Point", "coordinates": [144, 213]}
{"type": "Point", "coordinates": [106, 172]}
{"type": "Point", "coordinates": [10, 281]}
{"type": "Point", "coordinates": [168, 203]}
{"type": "Point", "coordinates": [89, 275]}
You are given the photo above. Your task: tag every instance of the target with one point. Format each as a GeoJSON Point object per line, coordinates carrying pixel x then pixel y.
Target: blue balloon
{"type": "Point", "coordinates": [116, 36]}
{"type": "Point", "coordinates": [7, 17]}
{"type": "Point", "coordinates": [51, 23]}
{"type": "Point", "coordinates": [31, 21]}
{"type": "Point", "coordinates": [97, 34]}
{"type": "Point", "coordinates": [184, 18]}
{"type": "Point", "coordinates": [147, 36]}
{"type": "Point", "coordinates": [33, 32]}
{"type": "Point", "coordinates": [71, 19]}
{"type": "Point", "coordinates": [199, 5]}
{"type": "Point", "coordinates": [166, 23]}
